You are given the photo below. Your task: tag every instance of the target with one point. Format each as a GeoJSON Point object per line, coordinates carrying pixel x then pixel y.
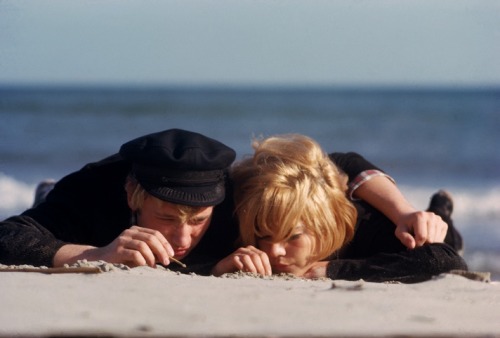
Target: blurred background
{"type": "Point", "coordinates": [413, 86]}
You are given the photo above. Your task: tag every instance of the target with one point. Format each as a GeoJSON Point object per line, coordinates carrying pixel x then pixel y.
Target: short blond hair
{"type": "Point", "coordinates": [290, 180]}
{"type": "Point", "coordinates": [138, 194]}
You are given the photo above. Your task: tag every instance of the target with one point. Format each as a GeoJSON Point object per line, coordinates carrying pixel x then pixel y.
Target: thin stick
{"type": "Point", "coordinates": [178, 262]}
{"type": "Point", "coordinates": [81, 269]}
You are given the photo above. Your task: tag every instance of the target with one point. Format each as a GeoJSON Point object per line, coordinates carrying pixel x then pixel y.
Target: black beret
{"type": "Point", "coordinates": [180, 166]}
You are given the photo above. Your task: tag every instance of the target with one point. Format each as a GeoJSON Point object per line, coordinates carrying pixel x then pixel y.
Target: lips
{"type": "Point", "coordinates": [180, 253]}
{"type": "Point", "coordinates": [280, 267]}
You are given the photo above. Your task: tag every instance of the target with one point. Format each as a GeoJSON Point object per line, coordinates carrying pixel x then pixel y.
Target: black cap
{"type": "Point", "coordinates": [180, 166]}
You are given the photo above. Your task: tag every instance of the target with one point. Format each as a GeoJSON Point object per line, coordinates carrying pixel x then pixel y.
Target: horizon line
{"type": "Point", "coordinates": [246, 86]}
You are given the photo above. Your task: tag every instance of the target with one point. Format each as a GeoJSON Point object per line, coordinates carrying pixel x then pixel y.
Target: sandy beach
{"type": "Point", "coordinates": [122, 302]}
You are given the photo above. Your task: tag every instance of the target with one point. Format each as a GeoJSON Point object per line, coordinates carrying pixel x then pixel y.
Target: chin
{"type": "Point", "coordinates": [288, 270]}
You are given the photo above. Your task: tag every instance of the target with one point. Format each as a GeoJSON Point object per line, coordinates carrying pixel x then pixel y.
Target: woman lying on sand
{"type": "Point", "coordinates": [296, 217]}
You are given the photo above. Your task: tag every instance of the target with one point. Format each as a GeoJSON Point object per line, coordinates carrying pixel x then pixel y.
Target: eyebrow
{"type": "Point", "coordinates": [297, 228]}
{"type": "Point", "coordinates": [200, 217]}
{"type": "Point", "coordinates": [164, 215]}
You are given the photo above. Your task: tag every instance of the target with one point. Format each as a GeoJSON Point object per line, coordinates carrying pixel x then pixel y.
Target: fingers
{"type": "Point", "coordinates": [431, 232]}
{"type": "Point", "coordinates": [247, 259]}
{"type": "Point", "coordinates": [441, 235]}
{"type": "Point", "coordinates": [133, 256]}
{"type": "Point", "coordinates": [439, 229]}
{"type": "Point", "coordinates": [157, 243]}
{"type": "Point", "coordinates": [430, 229]}
{"type": "Point", "coordinates": [420, 228]}
{"type": "Point", "coordinates": [142, 246]}
{"type": "Point", "coordinates": [253, 260]}
{"type": "Point", "coordinates": [402, 233]}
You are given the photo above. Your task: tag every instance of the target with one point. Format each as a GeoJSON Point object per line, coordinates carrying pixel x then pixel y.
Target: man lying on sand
{"type": "Point", "coordinates": [167, 196]}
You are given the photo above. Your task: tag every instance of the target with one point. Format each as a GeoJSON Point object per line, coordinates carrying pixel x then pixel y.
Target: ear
{"type": "Point", "coordinates": [130, 186]}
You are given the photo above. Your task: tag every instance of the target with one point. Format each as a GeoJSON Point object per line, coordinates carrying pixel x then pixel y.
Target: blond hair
{"type": "Point", "coordinates": [138, 194]}
{"type": "Point", "coordinates": [290, 180]}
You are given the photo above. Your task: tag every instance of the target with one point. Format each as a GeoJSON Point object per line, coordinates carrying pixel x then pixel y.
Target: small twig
{"type": "Point", "coordinates": [80, 269]}
{"type": "Point", "coordinates": [178, 262]}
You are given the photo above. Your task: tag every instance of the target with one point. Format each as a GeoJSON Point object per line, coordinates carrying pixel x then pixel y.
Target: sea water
{"type": "Point", "coordinates": [427, 139]}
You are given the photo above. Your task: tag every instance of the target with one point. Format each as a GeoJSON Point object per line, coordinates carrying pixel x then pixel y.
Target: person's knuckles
{"type": "Point", "coordinates": [156, 234]}
{"type": "Point", "coordinates": [136, 258]}
{"type": "Point", "coordinates": [122, 240]}
{"type": "Point", "coordinates": [255, 256]}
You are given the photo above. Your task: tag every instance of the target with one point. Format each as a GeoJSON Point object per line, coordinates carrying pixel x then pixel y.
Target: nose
{"type": "Point", "coordinates": [277, 249]}
{"type": "Point", "coordinates": [181, 237]}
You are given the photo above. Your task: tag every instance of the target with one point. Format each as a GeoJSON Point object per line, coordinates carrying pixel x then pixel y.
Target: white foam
{"type": "Point", "coordinates": [470, 204]}
{"type": "Point", "coordinates": [15, 196]}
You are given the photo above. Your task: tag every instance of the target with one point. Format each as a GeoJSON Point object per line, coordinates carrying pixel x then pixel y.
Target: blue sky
{"type": "Point", "coordinates": [243, 42]}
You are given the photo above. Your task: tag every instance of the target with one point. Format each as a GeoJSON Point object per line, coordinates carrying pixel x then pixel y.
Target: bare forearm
{"type": "Point", "coordinates": [71, 253]}
{"type": "Point", "coordinates": [385, 196]}
{"type": "Point", "coordinates": [413, 227]}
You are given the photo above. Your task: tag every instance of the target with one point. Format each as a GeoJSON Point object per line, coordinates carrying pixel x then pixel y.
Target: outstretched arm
{"type": "Point", "coordinates": [369, 183]}
{"type": "Point", "coordinates": [24, 241]}
{"type": "Point", "coordinates": [414, 228]}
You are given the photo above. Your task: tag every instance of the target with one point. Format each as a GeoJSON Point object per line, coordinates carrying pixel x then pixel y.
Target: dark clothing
{"type": "Point", "coordinates": [376, 255]}
{"type": "Point", "coordinates": [406, 266]}
{"type": "Point", "coordinates": [90, 207]}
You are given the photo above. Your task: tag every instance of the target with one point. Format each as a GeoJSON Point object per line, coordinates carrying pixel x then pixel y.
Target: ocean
{"type": "Point", "coordinates": [427, 139]}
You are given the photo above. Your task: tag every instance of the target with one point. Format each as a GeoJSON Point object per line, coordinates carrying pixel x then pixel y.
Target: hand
{"type": "Point", "coordinates": [137, 246]}
{"type": "Point", "coordinates": [317, 270]}
{"type": "Point", "coordinates": [420, 227]}
{"type": "Point", "coordinates": [247, 259]}
{"type": "Point", "coordinates": [413, 228]}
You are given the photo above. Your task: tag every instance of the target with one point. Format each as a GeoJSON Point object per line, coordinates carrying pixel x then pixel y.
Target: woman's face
{"type": "Point", "coordinates": [293, 255]}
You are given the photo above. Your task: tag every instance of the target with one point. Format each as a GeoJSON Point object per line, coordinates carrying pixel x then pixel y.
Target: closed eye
{"type": "Point", "coordinates": [295, 237]}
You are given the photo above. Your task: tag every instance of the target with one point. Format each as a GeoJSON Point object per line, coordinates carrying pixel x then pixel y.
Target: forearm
{"type": "Point", "coordinates": [383, 194]}
{"type": "Point", "coordinates": [71, 253]}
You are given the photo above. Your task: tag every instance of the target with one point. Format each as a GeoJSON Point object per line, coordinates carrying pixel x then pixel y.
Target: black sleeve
{"type": "Point", "coordinates": [85, 207]}
{"type": "Point", "coordinates": [410, 266]}
{"type": "Point", "coordinates": [25, 241]}
{"type": "Point", "coordinates": [352, 163]}
{"type": "Point", "coordinates": [30, 237]}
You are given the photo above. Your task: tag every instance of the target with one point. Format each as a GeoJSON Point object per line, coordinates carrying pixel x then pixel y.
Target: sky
{"type": "Point", "coordinates": [251, 42]}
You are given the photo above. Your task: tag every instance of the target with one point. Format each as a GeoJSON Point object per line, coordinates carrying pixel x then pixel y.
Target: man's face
{"type": "Point", "coordinates": [165, 217]}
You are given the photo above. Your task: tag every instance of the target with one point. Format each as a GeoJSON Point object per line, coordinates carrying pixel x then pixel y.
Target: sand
{"type": "Point", "coordinates": [141, 302]}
